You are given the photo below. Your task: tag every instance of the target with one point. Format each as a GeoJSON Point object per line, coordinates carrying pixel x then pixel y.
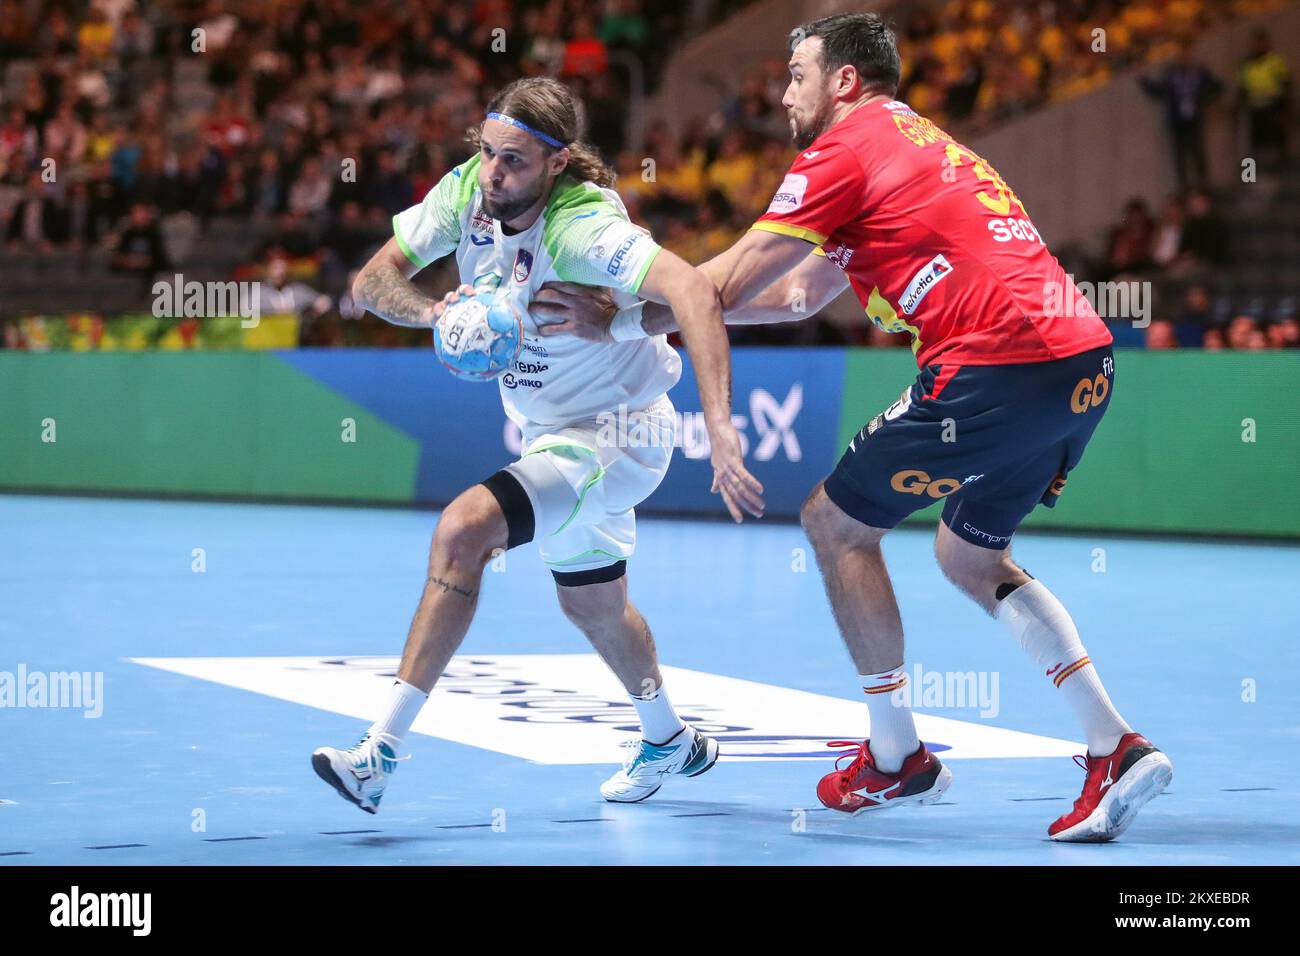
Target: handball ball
{"type": "Point", "coordinates": [479, 336]}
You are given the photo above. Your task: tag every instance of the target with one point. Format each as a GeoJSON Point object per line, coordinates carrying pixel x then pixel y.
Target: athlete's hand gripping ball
{"type": "Point", "coordinates": [477, 336]}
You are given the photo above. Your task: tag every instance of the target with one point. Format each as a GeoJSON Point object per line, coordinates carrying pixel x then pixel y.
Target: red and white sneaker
{"type": "Point", "coordinates": [860, 786]}
{"type": "Point", "coordinates": [1116, 788]}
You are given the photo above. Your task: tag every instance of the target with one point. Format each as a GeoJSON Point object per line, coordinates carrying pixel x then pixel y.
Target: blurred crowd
{"type": "Point", "coordinates": [1185, 255]}
{"type": "Point", "coordinates": [129, 127]}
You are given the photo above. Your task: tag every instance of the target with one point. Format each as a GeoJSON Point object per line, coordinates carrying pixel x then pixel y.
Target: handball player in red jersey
{"type": "Point", "coordinates": [1016, 372]}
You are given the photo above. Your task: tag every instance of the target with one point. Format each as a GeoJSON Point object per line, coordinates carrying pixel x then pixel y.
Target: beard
{"type": "Point", "coordinates": [803, 135]}
{"type": "Point", "coordinates": [512, 207]}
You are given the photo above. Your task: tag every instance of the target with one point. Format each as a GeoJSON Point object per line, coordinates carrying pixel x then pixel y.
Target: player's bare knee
{"type": "Point", "coordinates": [470, 530]}
{"type": "Point", "coordinates": [594, 608]}
{"type": "Point", "coordinates": [817, 516]}
{"type": "Point", "coordinates": [831, 530]}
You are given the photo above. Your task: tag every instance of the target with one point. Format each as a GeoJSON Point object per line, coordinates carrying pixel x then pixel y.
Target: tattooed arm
{"type": "Point", "coordinates": [383, 286]}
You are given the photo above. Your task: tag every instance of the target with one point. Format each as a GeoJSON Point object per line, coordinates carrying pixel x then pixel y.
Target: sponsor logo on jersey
{"type": "Point", "coordinates": [925, 280]}
{"type": "Point", "coordinates": [523, 265]}
{"type": "Point", "coordinates": [913, 481]}
{"type": "Point", "coordinates": [509, 381]}
{"type": "Point", "coordinates": [481, 223]}
{"type": "Point", "coordinates": [993, 539]}
{"type": "Point", "coordinates": [530, 368]}
{"type": "Point", "coordinates": [841, 255]}
{"type": "Point", "coordinates": [616, 262]}
{"type": "Point", "coordinates": [535, 349]}
{"type": "Point", "coordinates": [812, 154]}
{"type": "Point", "coordinates": [790, 196]}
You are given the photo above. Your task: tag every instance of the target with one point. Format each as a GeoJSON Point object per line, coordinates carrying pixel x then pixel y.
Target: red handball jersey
{"type": "Point", "coordinates": [933, 241]}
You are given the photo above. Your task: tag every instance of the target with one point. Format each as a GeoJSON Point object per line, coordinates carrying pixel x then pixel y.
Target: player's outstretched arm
{"type": "Point", "coordinates": [384, 287]}
{"type": "Point", "coordinates": [804, 291]}
{"type": "Point", "coordinates": [694, 300]}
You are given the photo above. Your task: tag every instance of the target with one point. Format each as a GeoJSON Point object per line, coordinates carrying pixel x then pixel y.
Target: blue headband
{"type": "Point", "coordinates": [511, 121]}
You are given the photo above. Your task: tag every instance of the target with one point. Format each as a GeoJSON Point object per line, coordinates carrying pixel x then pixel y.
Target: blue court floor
{"type": "Point", "coordinates": [222, 668]}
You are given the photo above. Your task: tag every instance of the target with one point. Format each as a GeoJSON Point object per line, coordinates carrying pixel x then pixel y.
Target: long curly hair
{"type": "Point", "coordinates": [549, 106]}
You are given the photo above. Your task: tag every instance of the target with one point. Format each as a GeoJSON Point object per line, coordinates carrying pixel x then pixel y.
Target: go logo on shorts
{"type": "Point", "coordinates": [913, 482]}
{"type": "Point", "coordinates": [1089, 393]}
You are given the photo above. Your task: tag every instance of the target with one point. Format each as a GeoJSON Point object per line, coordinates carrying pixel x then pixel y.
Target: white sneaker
{"type": "Point", "coordinates": [360, 774]}
{"type": "Point", "coordinates": [690, 753]}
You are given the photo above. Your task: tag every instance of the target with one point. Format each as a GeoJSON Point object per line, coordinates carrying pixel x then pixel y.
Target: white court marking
{"type": "Point", "coordinates": [569, 709]}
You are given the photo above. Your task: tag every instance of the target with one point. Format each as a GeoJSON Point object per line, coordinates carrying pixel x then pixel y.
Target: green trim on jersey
{"type": "Point", "coordinates": [468, 175]}
{"type": "Point", "coordinates": [574, 215]}
{"type": "Point", "coordinates": [582, 495]}
{"type": "Point", "coordinates": [570, 199]}
{"type": "Point", "coordinates": [406, 249]}
{"type": "Point", "coordinates": [446, 201]}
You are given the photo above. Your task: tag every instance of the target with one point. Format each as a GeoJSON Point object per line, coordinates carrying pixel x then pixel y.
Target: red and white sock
{"type": "Point", "coordinates": [893, 732]}
{"type": "Point", "coordinates": [1045, 630]}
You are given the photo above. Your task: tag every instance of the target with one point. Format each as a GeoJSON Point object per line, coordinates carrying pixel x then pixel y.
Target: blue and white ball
{"type": "Point", "coordinates": [479, 336]}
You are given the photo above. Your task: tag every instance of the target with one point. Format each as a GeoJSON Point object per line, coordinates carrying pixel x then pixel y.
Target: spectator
{"type": "Point", "coordinates": [1129, 248]}
{"type": "Point", "coordinates": [584, 54]}
{"type": "Point", "coordinates": [310, 192]}
{"type": "Point", "coordinates": [390, 189]}
{"type": "Point", "coordinates": [1168, 240]}
{"type": "Point", "coordinates": [1283, 333]}
{"type": "Point", "coordinates": [280, 296]}
{"type": "Point", "coordinates": [1265, 95]}
{"type": "Point", "coordinates": [346, 243]}
{"type": "Point", "coordinates": [35, 222]}
{"type": "Point", "coordinates": [1244, 334]}
{"type": "Point", "coordinates": [138, 246]}
{"type": "Point", "coordinates": [1184, 88]}
{"type": "Point", "coordinates": [624, 27]}
{"type": "Point", "coordinates": [1205, 235]}
{"type": "Point", "coordinates": [1160, 334]}
{"type": "Point", "coordinates": [95, 36]}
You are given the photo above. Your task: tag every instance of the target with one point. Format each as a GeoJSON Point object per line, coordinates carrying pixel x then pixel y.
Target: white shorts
{"type": "Point", "coordinates": [585, 479]}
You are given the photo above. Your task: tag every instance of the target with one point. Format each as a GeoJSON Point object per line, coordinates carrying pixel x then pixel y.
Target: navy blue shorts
{"type": "Point", "coordinates": [993, 441]}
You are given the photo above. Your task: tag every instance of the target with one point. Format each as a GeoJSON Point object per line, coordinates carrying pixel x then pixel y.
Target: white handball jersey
{"type": "Point", "coordinates": [583, 235]}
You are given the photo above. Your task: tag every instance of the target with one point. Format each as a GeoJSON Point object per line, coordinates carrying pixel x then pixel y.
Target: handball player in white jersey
{"type": "Point", "coordinates": [532, 206]}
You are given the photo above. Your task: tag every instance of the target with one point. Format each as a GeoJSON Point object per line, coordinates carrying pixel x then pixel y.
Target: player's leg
{"type": "Point", "coordinates": [893, 767]}
{"type": "Point", "coordinates": [897, 463]}
{"type": "Point", "coordinates": [487, 517]}
{"type": "Point", "coordinates": [597, 604]}
{"type": "Point", "coordinates": [617, 632]}
{"type": "Point", "coordinates": [470, 530]}
{"type": "Point", "coordinates": [973, 547]}
{"type": "Point", "coordinates": [585, 488]}
{"type": "Point", "coordinates": [1040, 624]}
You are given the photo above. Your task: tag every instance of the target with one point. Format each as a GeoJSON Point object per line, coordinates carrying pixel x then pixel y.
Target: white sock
{"type": "Point", "coordinates": [893, 732]}
{"type": "Point", "coordinates": [404, 703]}
{"type": "Point", "coordinates": [659, 722]}
{"type": "Point", "coordinates": [1044, 629]}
